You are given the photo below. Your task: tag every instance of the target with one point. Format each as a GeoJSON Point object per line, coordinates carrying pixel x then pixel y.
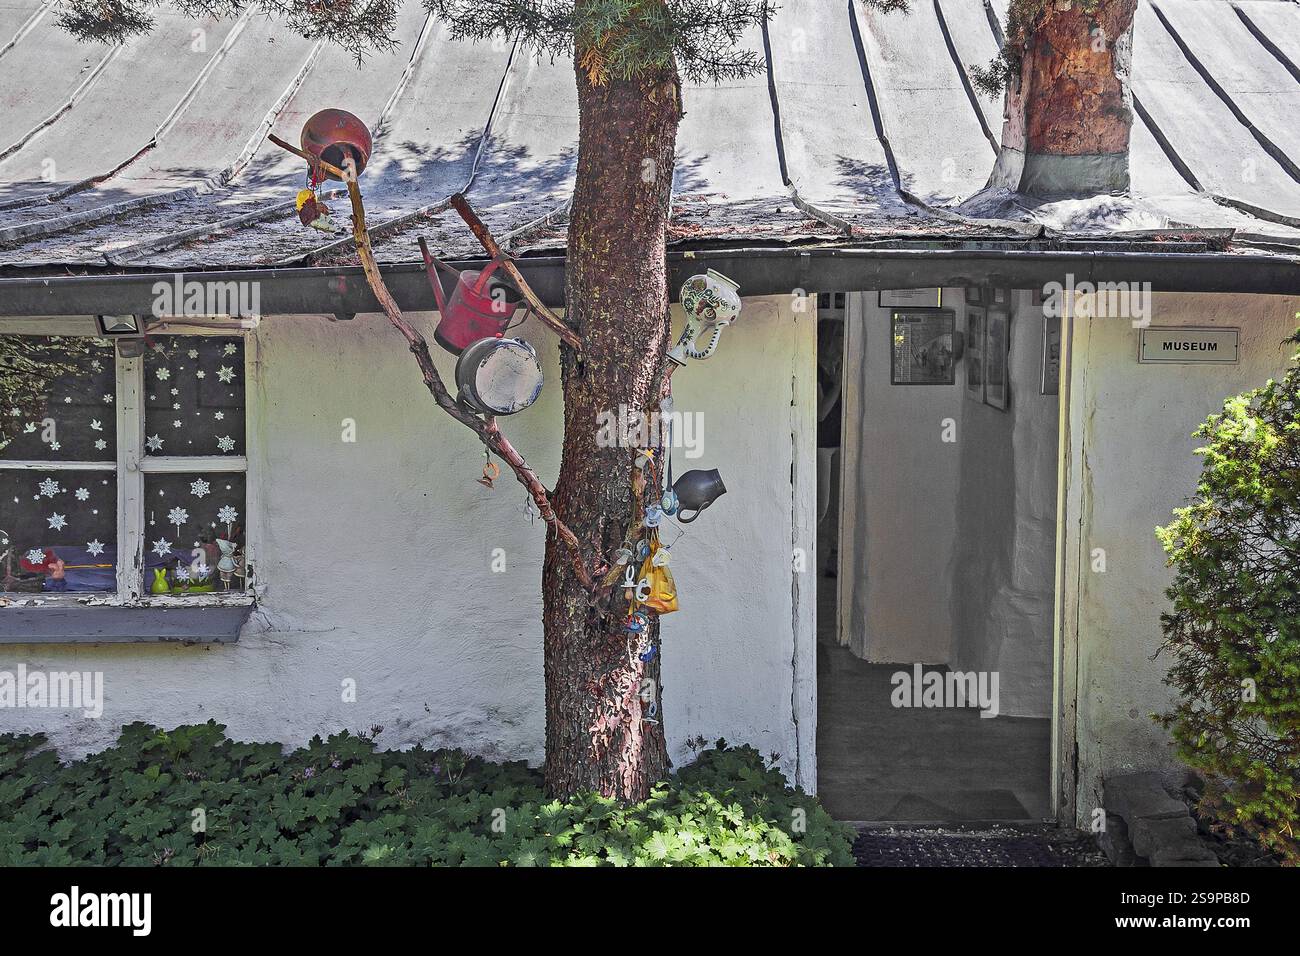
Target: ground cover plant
{"type": "Point", "coordinates": [192, 796]}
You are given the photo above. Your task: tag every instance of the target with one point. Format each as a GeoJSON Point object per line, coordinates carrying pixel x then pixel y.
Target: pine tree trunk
{"type": "Point", "coordinates": [1069, 114]}
{"type": "Point", "coordinates": [597, 691]}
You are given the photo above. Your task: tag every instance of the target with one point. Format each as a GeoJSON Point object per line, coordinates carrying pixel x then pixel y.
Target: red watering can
{"type": "Point", "coordinates": [480, 307]}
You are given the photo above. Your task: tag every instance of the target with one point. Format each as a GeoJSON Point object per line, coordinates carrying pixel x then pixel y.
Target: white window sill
{"type": "Point", "coordinates": [108, 599]}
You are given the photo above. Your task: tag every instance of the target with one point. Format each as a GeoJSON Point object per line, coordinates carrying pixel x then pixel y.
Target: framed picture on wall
{"type": "Point", "coordinates": [974, 353]}
{"type": "Point", "coordinates": [911, 298]}
{"type": "Point", "coordinates": [974, 295]}
{"type": "Point", "coordinates": [1051, 378]}
{"type": "Point", "coordinates": [923, 347]}
{"type": "Point", "coordinates": [997, 388]}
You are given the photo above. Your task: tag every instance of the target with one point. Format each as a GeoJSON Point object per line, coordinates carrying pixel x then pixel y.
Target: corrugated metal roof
{"type": "Point", "coordinates": [866, 127]}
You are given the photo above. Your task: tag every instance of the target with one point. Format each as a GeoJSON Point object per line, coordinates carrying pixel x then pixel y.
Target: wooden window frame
{"type": "Point", "coordinates": [134, 463]}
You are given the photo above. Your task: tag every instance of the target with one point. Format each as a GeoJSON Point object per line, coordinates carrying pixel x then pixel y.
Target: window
{"type": "Point", "coordinates": [123, 474]}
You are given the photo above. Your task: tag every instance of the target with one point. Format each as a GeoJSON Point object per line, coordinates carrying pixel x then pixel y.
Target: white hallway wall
{"type": "Point", "coordinates": [1132, 463]}
{"type": "Point", "coordinates": [376, 557]}
{"type": "Point", "coordinates": [952, 542]}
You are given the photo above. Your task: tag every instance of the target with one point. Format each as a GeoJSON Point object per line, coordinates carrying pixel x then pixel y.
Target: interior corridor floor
{"type": "Point", "coordinates": [876, 762]}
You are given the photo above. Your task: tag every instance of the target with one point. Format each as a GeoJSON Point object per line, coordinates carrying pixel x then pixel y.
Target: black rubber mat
{"type": "Point", "coordinates": [996, 849]}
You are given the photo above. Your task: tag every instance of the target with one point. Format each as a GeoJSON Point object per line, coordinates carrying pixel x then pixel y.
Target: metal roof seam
{"type": "Point", "coordinates": [1276, 152]}
{"type": "Point", "coordinates": [208, 68]}
{"type": "Point", "coordinates": [222, 226]}
{"type": "Point", "coordinates": [775, 101]}
{"type": "Point", "coordinates": [126, 254]}
{"type": "Point", "coordinates": [994, 24]}
{"type": "Point", "coordinates": [1259, 212]}
{"type": "Point", "coordinates": [67, 104]}
{"type": "Point", "coordinates": [1265, 42]}
{"type": "Point", "coordinates": [383, 228]}
{"type": "Point", "coordinates": [57, 224]}
{"type": "Point", "coordinates": [965, 80]}
{"type": "Point", "coordinates": [515, 236]}
{"type": "Point", "coordinates": [876, 119]}
{"type": "Point", "coordinates": [1166, 146]}
{"type": "Point", "coordinates": [28, 26]}
{"type": "Point", "coordinates": [62, 223]}
{"type": "Point", "coordinates": [416, 50]}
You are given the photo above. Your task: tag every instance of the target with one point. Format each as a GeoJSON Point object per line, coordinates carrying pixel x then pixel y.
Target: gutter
{"type": "Point", "coordinates": [342, 290]}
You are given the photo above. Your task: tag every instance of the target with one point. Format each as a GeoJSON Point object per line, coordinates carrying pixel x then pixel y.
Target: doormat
{"type": "Point", "coordinates": [989, 848]}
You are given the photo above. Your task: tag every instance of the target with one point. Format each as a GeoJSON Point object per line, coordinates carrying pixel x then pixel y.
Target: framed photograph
{"type": "Point", "coordinates": [923, 347]}
{"type": "Point", "coordinates": [997, 389]}
{"type": "Point", "coordinates": [975, 353]}
{"type": "Point", "coordinates": [974, 295]}
{"type": "Point", "coordinates": [1051, 384]}
{"type": "Point", "coordinates": [911, 298]}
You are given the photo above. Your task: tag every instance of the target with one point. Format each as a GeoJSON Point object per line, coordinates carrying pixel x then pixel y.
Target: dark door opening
{"type": "Point", "coordinates": [936, 559]}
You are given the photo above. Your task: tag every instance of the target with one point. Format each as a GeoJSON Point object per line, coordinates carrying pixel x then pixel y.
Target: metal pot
{"type": "Point", "coordinates": [333, 135]}
{"type": "Point", "coordinates": [499, 376]}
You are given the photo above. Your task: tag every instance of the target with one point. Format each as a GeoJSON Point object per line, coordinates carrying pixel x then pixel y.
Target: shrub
{"type": "Point", "coordinates": [342, 802]}
{"type": "Point", "coordinates": [1235, 621]}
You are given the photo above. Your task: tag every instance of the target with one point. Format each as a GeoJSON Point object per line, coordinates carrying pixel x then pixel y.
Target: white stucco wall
{"type": "Point", "coordinates": [1132, 463]}
{"type": "Point", "coordinates": [899, 541]}
{"type": "Point", "coordinates": [376, 561]}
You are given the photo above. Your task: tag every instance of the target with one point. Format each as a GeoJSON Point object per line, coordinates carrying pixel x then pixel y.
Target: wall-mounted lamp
{"type": "Point", "coordinates": [119, 325]}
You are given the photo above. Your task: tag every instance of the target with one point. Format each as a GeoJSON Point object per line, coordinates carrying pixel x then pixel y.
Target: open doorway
{"type": "Point", "coordinates": [936, 556]}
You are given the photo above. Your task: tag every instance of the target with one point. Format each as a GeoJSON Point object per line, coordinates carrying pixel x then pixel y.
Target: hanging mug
{"type": "Point", "coordinates": [695, 491]}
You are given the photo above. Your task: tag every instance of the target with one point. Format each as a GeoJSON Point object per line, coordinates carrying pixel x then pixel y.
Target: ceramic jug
{"type": "Point", "coordinates": [695, 491]}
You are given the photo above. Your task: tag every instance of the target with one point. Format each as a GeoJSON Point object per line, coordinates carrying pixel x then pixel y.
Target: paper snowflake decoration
{"type": "Point", "coordinates": [176, 406]}
{"type": "Point", "coordinates": [68, 400]}
{"type": "Point", "coordinates": [182, 573]}
{"type": "Point", "coordinates": [201, 572]}
{"type": "Point", "coordinates": [178, 516]}
{"type": "Point", "coordinates": [200, 374]}
{"type": "Point", "coordinates": [229, 349]}
{"type": "Point", "coordinates": [57, 522]}
{"type": "Point", "coordinates": [193, 353]}
{"type": "Point", "coordinates": [164, 374]}
{"type": "Point", "coordinates": [35, 556]}
{"type": "Point", "coordinates": [226, 443]}
{"type": "Point", "coordinates": [49, 487]}
{"type": "Point", "coordinates": [55, 446]}
{"type": "Point", "coordinates": [161, 547]}
{"type": "Point", "coordinates": [219, 415]}
{"type": "Point", "coordinates": [225, 374]}
{"type": "Point", "coordinates": [95, 364]}
{"type": "Point", "coordinates": [82, 494]}
{"type": "Point", "coordinates": [108, 398]}
{"type": "Point", "coordinates": [227, 514]}
{"type": "Point", "coordinates": [176, 423]}
{"type": "Point", "coordinates": [199, 488]}
{"type": "Point", "coordinates": [96, 425]}
{"type": "Point", "coordinates": [100, 445]}
{"type": "Point", "coordinates": [95, 548]}
{"type": "Point", "coordinates": [154, 443]}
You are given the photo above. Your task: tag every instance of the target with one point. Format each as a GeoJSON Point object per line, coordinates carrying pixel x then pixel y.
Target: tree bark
{"type": "Point", "coordinates": [598, 692]}
{"type": "Point", "coordinates": [1068, 116]}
